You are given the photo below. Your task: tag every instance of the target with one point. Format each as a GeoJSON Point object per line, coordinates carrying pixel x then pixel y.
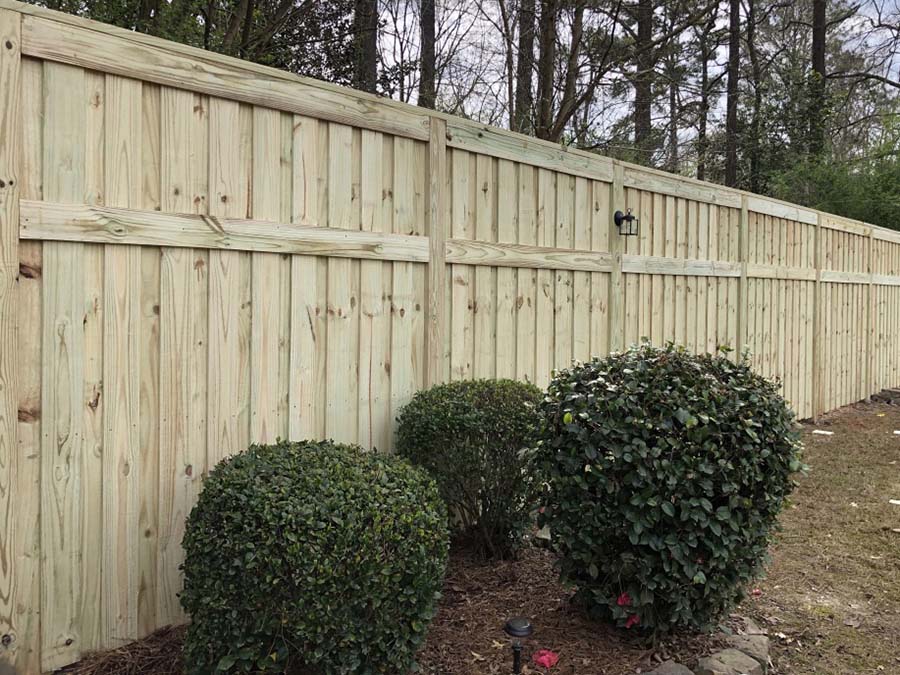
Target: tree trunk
{"type": "Point", "coordinates": [427, 74]}
{"type": "Point", "coordinates": [817, 89]}
{"type": "Point", "coordinates": [755, 119]}
{"type": "Point", "coordinates": [643, 82]}
{"type": "Point", "coordinates": [672, 67]}
{"type": "Point", "coordinates": [702, 141]}
{"type": "Point", "coordinates": [524, 101]}
{"type": "Point", "coordinates": [731, 105]}
{"type": "Point", "coordinates": [365, 38]}
{"type": "Point", "coordinates": [546, 66]}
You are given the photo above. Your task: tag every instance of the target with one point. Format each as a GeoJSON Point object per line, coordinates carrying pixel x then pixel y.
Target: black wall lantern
{"type": "Point", "coordinates": [518, 628]}
{"type": "Point", "coordinates": [627, 223]}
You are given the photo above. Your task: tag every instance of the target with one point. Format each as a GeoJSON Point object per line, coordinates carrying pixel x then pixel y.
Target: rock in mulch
{"type": "Point", "coordinates": [754, 646]}
{"type": "Point", "coordinates": [729, 662]}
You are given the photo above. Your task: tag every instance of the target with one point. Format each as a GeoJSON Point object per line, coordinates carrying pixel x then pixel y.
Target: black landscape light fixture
{"type": "Point", "coordinates": [627, 223]}
{"type": "Point", "coordinates": [518, 628]}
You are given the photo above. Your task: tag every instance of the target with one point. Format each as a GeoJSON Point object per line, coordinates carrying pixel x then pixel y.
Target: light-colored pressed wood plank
{"type": "Point", "coordinates": [581, 281]}
{"type": "Point", "coordinates": [483, 253]}
{"type": "Point", "coordinates": [103, 225]}
{"type": "Point", "coordinates": [308, 335]}
{"type": "Point", "coordinates": [485, 336]}
{"type": "Point", "coordinates": [20, 618]}
{"type": "Point", "coordinates": [148, 518]}
{"type": "Point", "coordinates": [436, 228]}
{"type": "Point", "coordinates": [517, 147]}
{"type": "Point", "coordinates": [599, 227]}
{"type": "Point", "coordinates": [269, 327]}
{"type": "Point", "coordinates": [657, 248]}
{"type": "Point", "coordinates": [62, 387]}
{"type": "Point", "coordinates": [669, 284]}
{"type": "Point", "coordinates": [407, 321]}
{"type": "Point", "coordinates": [526, 298]}
{"type": "Point", "coordinates": [375, 320]}
{"type": "Point", "coordinates": [184, 327]}
{"type": "Point", "coordinates": [712, 297]}
{"type": "Point", "coordinates": [563, 292]}
{"type": "Point", "coordinates": [228, 389]}
{"type": "Point", "coordinates": [121, 380]}
{"type": "Point", "coordinates": [776, 209]}
{"type": "Point", "coordinates": [16, 574]}
{"type": "Point", "coordinates": [616, 304]}
{"type": "Point", "coordinates": [667, 184]}
{"type": "Point", "coordinates": [743, 299]}
{"type": "Point", "coordinates": [462, 299]}
{"type": "Point", "coordinates": [681, 281]}
{"type": "Point", "coordinates": [544, 342]}
{"type": "Point", "coordinates": [342, 355]}
{"type": "Point", "coordinates": [507, 232]}
{"type": "Point", "coordinates": [104, 49]}
{"type": "Point", "coordinates": [181, 459]}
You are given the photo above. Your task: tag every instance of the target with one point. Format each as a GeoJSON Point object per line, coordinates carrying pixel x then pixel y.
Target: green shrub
{"type": "Point", "coordinates": [666, 472]}
{"type": "Point", "coordinates": [314, 556]}
{"type": "Point", "coordinates": [471, 437]}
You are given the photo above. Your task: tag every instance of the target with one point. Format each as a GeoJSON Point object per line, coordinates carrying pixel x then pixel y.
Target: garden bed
{"type": "Point", "coordinates": [831, 602]}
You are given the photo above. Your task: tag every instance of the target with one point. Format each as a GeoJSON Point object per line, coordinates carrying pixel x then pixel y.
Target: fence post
{"type": "Point", "coordinates": [13, 646]}
{"type": "Point", "coordinates": [436, 228]}
{"type": "Point", "coordinates": [616, 302]}
{"type": "Point", "coordinates": [870, 318]}
{"type": "Point", "coordinates": [818, 326]}
{"type": "Point", "coordinates": [743, 307]}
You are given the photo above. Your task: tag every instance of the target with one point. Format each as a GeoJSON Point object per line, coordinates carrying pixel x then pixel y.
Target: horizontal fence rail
{"type": "Point", "coordinates": [197, 253]}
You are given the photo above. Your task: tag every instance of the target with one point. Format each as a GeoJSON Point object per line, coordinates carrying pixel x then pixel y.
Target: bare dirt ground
{"type": "Point", "coordinates": [831, 601]}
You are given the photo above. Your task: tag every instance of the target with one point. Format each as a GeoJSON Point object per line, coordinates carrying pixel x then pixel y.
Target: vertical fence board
{"type": "Point", "coordinates": [121, 380]}
{"type": "Point", "coordinates": [16, 572]}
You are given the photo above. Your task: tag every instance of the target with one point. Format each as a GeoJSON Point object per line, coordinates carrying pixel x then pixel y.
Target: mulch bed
{"type": "Point", "coordinates": [466, 637]}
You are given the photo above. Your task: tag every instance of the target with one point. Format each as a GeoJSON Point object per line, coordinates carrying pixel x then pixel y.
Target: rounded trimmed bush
{"type": "Point", "coordinates": [665, 474]}
{"type": "Point", "coordinates": [312, 556]}
{"type": "Point", "coordinates": [472, 437]}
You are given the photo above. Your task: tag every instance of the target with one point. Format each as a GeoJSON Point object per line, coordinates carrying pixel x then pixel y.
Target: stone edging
{"type": "Point", "coordinates": [747, 654]}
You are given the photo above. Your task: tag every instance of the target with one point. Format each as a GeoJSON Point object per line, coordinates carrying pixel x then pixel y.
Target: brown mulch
{"type": "Point", "coordinates": [157, 654]}
{"type": "Point", "coordinates": [467, 638]}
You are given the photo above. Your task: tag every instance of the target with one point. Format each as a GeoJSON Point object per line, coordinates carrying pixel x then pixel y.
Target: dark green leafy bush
{"type": "Point", "coordinates": [312, 556]}
{"type": "Point", "coordinates": [666, 472]}
{"type": "Point", "coordinates": [471, 436]}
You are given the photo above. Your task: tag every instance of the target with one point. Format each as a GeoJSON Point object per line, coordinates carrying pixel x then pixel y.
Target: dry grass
{"type": "Point", "coordinates": [832, 597]}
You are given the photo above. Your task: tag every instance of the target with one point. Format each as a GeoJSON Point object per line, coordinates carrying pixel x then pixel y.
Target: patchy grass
{"type": "Point", "coordinates": [831, 601]}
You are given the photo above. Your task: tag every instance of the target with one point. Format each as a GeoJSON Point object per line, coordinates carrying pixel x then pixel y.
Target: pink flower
{"type": "Point", "coordinates": [545, 658]}
{"type": "Point", "coordinates": [624, 600]}
{"type": "Point", "coordinates": [633, 620]}
{"type": "Point", "coordinates": [756, 592]}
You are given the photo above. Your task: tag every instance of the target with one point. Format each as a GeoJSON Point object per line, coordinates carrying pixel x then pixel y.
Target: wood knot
{"type": "Point", "coordinates": [9, 45]}
{"type": "Point", "coordinates": [29, 271]}
{"type": "Point", "coordinates": [27, 416]}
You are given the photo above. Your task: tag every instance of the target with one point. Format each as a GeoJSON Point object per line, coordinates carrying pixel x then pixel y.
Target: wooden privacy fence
{"type": "Point", "coordinates": [198, 252]}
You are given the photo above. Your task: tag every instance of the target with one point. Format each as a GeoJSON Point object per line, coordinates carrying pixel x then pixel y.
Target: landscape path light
{"type": "Point", "coordinates": [518, 628]}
